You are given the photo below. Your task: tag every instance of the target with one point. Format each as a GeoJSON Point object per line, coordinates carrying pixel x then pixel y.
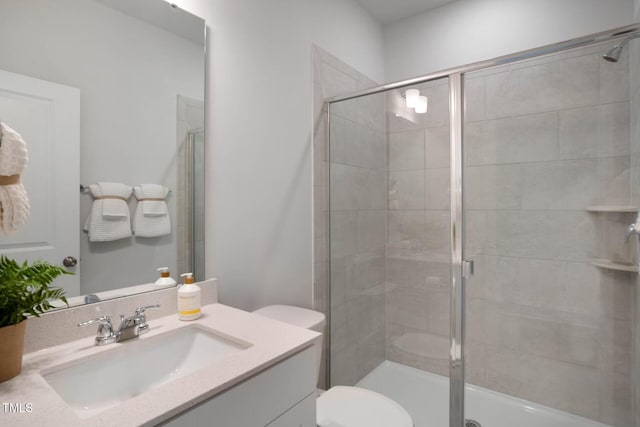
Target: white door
{"type": "Point", "coordinates": [47, 115]}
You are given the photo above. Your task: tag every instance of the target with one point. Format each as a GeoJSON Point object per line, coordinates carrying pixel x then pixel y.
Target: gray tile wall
{"type": "Point", "coordinates": [418, 249]}
{"type": "Point", "coordinates": [544, 139]}
{"type": "Point", "coordinates": [356, 169]}
{"type": "Point", "coordinates": [634, 92]}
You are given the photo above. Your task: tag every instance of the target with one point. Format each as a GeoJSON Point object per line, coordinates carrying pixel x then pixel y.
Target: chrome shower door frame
{"type": "Point", "coordinates": [461, 268]}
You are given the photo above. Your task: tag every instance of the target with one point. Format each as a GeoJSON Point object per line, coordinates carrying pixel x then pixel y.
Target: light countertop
{"type": "Point", "coordinates": [272, 341]}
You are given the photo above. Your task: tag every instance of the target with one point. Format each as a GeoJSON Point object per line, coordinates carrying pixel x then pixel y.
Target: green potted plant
{"type": "Point", "coordinates": [24, 291]}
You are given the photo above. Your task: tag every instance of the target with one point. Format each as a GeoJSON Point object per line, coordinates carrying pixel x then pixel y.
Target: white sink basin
{"type": "Point", "coordinates": [98, 382]}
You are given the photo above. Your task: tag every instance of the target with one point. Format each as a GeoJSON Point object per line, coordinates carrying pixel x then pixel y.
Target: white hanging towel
{"type": "Point", "coordinates": [14, 203]}
{"type": "Point", "coordinates": [109, 218]}
{"type": "Point", "coordinates": [151, 218]}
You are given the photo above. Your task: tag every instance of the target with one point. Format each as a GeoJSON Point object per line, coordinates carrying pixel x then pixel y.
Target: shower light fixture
{"type": "Point", "coordinates": [412, 97]}
{"type": "Point", "coordinates": [423, 103]}
{"type": "Point", "coordinates": [416, 101]}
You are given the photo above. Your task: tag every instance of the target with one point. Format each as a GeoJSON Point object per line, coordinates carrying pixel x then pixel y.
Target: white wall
{"type": "Point", "coordinates": [468, 31]}
{"type": "Point", "coordinates": [259, 189]}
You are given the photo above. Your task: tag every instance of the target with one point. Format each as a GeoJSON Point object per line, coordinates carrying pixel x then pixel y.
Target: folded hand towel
{"type": "Point", "coordinates": [151, 218]}
{"type": "Point", "coordinates": [152, 197]}
{"type": "Point", "coordinates": [114, 196]}
{"type": "Point", "coordinates": [14, 203]}
{"type": "Point", "coordinates": [109, 218]}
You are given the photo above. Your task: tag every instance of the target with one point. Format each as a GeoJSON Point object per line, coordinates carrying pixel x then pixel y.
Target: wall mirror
{"type": "Point", "coordinates": [109, 98]}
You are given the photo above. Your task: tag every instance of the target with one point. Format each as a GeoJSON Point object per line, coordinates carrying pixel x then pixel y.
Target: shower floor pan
{"type": "Point", "coordinates": [426, 397]}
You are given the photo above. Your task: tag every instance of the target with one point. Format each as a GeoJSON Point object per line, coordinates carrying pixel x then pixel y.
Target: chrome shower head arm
{"type": "Point", "coordinates": [613, 54]}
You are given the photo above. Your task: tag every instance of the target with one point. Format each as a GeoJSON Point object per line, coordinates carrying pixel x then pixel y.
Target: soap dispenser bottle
{"type": "Point", "coordinates": [165, 280]}
{"type": "Point", "coordinates": [188, 298]}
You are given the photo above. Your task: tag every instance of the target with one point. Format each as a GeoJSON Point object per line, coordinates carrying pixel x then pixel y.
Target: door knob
{"type": "Point", "coordinates": [69, 261]}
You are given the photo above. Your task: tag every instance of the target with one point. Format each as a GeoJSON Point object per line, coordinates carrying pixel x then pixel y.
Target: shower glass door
{"type": "Point", "coordinates": [390, 257]}
{"type": "Point", "coordinates": [547, 199]}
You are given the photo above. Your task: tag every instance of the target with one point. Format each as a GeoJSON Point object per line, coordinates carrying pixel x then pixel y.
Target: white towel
{"type": "Point", "coordinates": [151, 218]}
{"type": "Point", "coordinates": [14, 203]}
{"type": "Point", "coordinates": [109, 218]}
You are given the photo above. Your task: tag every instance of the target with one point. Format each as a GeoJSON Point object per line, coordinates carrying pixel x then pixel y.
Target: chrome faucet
{"type": "Point", "coordinates": [130, 327]}
{"type": "Point", "coordinates": [632, 229]}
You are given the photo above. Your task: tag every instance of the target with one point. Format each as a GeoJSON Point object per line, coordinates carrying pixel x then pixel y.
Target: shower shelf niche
{"type": "Point", "coordinates": [610, 265]}
{"type": "Point", "coordinates": [612, 208]}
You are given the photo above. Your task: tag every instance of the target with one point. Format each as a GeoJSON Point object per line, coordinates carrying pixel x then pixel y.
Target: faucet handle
{"type": "Point", "coordinates": [141, 310]}
{"type": "Point", "coordinates": [102, 320]}
{"type": "Point", "coordinates": [105, 333]}
{"type": "Point", "coordinates": [143, 326]}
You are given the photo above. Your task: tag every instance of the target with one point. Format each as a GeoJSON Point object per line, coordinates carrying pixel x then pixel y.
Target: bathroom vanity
{"type": "Point", "coordinates": [229, 368]}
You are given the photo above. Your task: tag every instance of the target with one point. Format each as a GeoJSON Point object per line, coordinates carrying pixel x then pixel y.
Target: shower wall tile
{"type": "Point", "coordinates": [614, 79]}
{"type": "Point", "coordinates": [598, 131]}
{"type": "Point", "coordinates": [543, 140]}
{"type": "Point", "coordinates": [565, 386]}
{"type": "Point", "coordinates": [566, 185]}
{"type": "Point", "coordinates": [371, 111]}
{"type": "Point", "coordinates": [416, 271]}
{"type": "Point", "coordinates": [406, 230]}
{"type": "Point", "coordinates": [475, 361]}
{"type": "Point", "coordinates": [615, 180]}
{"type": "Point", "coordinates": [400, 122]}
{"type": "Point", "coordinates": [528, 138]}
{"type": "Point", "coordinates": [555, 139]}
{"type": "Point", "coordinates": [320, 219]}
{"type": "Point", "coordinates": [474, 107]}
{"type": "Point", "coordinates": [369, 150]}
{"type": "Point", "coordinates": [438, 313]}
{"type": "Point", "coordinates": [437, 147]}
{"type": "Point", "coordinates": [340, 134]}
{"type": "Point", "coordinates": [615, 346]}
{"type": "Point", "coordinates": [370, 353]}
{"type": "Point", "coordinates": [563, 235]}
{"type": "Point", "coordinates": [438, 189]}
{"type": "Point", "coordinates": [365, 275]}
{"type": "Point", "coordinates": [336, 82]}
{"type": "Point", "coordinates": [406, 151]}
{"type": "Point", "coordinates": [493, 187]}
{"type": "Point", "coordinates": [371, 230]}
{"type": "Point", "coordinates": [417, 348]}
{"type": "Point", "coordinates": [558, 85]}
{"type": "Point", "coordinates": [354, 162]}
{"type": "Point", "coordinates": [406, 306]}
{"type": "Point", "coordinates": [343, 233]}
{"type": "Point", "coordinates": [437, 228]}
{"type": "Point", "coordinates": [634, 60]}
{"type": "Point", "coordinates": [558, 340]}
{"type": "Point", "coordinates": [355, 188]}
{"type": "Point", "coordinates": [615, 399]}
{"type": "Point", "coordinates": [344, 365]}
{"type": "Point", "coordinates": [406, 190]}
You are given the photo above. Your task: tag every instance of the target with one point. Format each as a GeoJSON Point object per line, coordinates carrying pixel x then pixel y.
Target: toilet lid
{"type": "Point", "coordinates": [356, 407]}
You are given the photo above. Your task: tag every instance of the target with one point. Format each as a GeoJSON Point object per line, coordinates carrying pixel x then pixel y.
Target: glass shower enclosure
{"type": "Point", "coordinates": [479, 268]}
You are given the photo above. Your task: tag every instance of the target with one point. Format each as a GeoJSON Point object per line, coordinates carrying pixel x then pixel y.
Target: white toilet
{"type": "Point", "coordinates": [341, 406]}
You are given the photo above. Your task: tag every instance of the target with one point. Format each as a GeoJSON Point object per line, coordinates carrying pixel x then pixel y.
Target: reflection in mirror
{"type": "Point", "coordinates": [109, 97]}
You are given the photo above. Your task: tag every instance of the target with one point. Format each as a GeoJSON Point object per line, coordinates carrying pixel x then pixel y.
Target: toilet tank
{"type": "Point", "coordinates": [301, 317]}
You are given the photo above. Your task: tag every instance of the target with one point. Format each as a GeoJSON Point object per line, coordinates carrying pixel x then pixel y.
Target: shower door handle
{"type": "Point", "coordinates": [467, 268]}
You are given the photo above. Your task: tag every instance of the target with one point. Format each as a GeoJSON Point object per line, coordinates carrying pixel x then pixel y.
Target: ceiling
{"type": "Point", "coordinates": [389, 11]}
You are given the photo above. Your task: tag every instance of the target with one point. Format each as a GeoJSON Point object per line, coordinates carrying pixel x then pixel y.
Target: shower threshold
{"type": "Point", "coordinates": [426, 397]}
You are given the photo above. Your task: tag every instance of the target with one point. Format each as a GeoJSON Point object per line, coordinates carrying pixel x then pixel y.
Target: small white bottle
{"type": "Point", "coordinates": [165, 280]}
{"type": "Point", "coordinates": [188, 298]}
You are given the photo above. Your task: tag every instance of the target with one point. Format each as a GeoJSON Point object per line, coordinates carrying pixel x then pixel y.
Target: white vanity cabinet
{"type": "Point", "coordinates": [281, 396]}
